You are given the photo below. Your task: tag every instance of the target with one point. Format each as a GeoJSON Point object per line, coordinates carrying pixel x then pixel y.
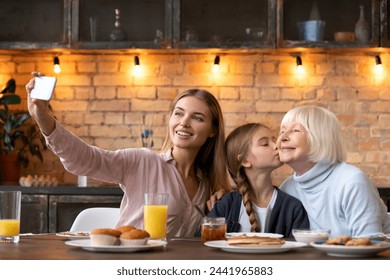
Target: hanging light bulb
{"type": "Point", "coordinates": [57, 68]}
{"type": "Point", "coordinates": [216, 64]}
{"type": "Point", "coordinates": [299, 65]}
{"type": "Point", "coordinates": [137, 67]}
{"type": "Point", "coordinates": [379, 66]}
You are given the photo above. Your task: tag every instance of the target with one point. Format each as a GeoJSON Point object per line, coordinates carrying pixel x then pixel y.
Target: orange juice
{"type": "Point", "coordinates": [9, 227]}
{"type": "Point", "coordinates": [155, 220]}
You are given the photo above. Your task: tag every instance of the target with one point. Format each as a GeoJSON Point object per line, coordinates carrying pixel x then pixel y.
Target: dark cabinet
{"type": "Point", "coordinates": [300, 19]}
{"type": "Point", "coordinates": [138, 23]}
{"type": "Point", "coordinates": [53, 209]}
{"type": "Point", "coordinates": [34, 213]}
{"type": "Point", "coordinates": [162, 24]}
{"type": "Point", "coordinates": [35, 24]}
{"type": "Point", "coordinates": [384, 23]}
{"type": "Point", "coordinates": [63, 209]}
{"type": "Point", "coordinates": [224, 23]}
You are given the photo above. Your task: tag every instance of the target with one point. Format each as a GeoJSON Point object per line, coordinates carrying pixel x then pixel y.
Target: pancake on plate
{"type": "Point", "coordinates": [245, 240]}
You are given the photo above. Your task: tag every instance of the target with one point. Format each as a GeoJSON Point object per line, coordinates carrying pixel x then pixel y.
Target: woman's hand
{"type": "Point", "coordinates": [39, 109]}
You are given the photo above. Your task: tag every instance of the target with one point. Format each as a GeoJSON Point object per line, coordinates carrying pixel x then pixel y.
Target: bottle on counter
{"type": "Point", "coordinates": [362, 29]}
{"type": "Point", "coordinates": [117, 34]}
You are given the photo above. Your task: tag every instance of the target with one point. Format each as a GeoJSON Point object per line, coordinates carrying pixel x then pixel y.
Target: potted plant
{"type": "Point", "coordinates": [19, 137]}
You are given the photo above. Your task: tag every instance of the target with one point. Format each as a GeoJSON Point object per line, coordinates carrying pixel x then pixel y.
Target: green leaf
{"type": "Point", "coordinates": [10, 98]}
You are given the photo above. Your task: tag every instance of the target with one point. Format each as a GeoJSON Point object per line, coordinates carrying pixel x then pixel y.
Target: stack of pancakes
{"type": "Point", "coordinates": [244, 240]}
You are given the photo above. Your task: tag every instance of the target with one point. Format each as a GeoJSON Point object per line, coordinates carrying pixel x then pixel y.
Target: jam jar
{"type": "Point", "coordinates": [213, 229]}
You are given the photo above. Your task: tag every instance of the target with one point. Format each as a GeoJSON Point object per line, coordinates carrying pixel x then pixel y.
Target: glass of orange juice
{"type": "Point", "coordinates": [10, 216]}
{"type": "Point", "coordinates": [155, 215]}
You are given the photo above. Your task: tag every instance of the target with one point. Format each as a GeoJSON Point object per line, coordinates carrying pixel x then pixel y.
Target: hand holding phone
{"type": "Point", "coordinates": [43, 88]}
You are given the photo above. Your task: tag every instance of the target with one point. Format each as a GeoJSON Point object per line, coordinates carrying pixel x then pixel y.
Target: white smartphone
{"type": "Point", "coordinates": [43, 88]}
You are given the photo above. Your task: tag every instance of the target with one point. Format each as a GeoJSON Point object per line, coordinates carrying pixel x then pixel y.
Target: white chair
{"type": "Point", "coordinates": [96, 217]}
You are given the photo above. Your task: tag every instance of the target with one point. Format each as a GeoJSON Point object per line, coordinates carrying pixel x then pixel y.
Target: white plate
{"type": "Point", "coordinates": [74, 235]}
{"type": "Point", "coordinates": [351, 251]}
{"type": "Point", "coordinates": [86, 245]}
{"type": "Point", "coordinates": [223, 245]}
{"type": "Point", "coordinates": [260, 234]}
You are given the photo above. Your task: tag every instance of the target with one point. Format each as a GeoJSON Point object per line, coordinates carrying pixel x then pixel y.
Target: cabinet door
{"type": "Point", "coordinates": [34, 214]}
{"type": "Point", "coordinates": [63, 209]}
{"type": "Point", "coordinates": [384, 23]}
{"type": "Point", "coordinates": [300, 24]}
{"type": "Point", "coordinates": [30, 24]}
{"type": "Point", "coordinates": [142, 23]}
{"type": "Point", "coordinates": [224, 23]}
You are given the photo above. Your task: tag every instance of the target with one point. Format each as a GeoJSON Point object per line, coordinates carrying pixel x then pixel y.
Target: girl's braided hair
{"type": "Point", "coordinates": [237, 146]}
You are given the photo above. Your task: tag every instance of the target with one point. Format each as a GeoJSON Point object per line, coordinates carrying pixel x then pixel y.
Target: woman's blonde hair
{"type": "Point", "coordinates": [211, 156]}
{"type": "Point", "coordinates": [324, 133]}
{"type": "Point", "coordinates": [237, 146]}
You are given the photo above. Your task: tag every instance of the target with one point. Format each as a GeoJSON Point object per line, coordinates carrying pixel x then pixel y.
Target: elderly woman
{"type": "Point", "coordinates": [336, 195]}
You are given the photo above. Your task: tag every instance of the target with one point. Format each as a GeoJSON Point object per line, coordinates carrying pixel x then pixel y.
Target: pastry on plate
{"type": "Point", "coordinates": [338, 240]}
{"type": "Point", "coordinates": [361, 241]}
{"type": "Point", "coordinates": [134, 237]}
{"type": "Point", "coordinates": [125, 228]}
{"type": "Point", "coordinates": [104, 237]}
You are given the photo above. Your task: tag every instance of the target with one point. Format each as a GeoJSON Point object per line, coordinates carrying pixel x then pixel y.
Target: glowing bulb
{"type": "Point", "coordinates": [299, 65]}
{"type": "Point", "coordinates": [379, 66]}
{"type": "Point", "coordinates": [137, 67]}
{"type": "Point", "coordinates": [57, 68]}
{"type": "Point", "coordinates": [216, 64]}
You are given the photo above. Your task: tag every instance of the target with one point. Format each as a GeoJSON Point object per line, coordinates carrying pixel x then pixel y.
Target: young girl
{"type": "Point", "coordinates": [190, 167]}
{"type": "Point", "coordinates": [257, 205]}
{"type": "Point", "coordinates": [336, 195]}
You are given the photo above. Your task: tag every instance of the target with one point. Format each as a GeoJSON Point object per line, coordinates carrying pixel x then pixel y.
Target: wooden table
{"type": "Point", "coordinates": [52, 247]}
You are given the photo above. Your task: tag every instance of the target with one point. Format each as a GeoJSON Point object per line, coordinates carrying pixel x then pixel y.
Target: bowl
{"type": "Point", "coordinates": [310, 235]}
{"type": "Point", "coordinates": [344, 36]}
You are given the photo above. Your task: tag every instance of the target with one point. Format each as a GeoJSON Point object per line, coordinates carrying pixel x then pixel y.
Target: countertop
{"type": "Point", "coordinates": [66, 190]}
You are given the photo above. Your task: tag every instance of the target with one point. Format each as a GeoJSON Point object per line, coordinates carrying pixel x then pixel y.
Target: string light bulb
{"type": "Point", "coordinates": [216, 64]}
{"type": "Point", "coordinates": [299, 65]}
{"type": "Point", "coordinates": [137, 66]}
{"type": "Point", "coordinates": [379, 66]}
{"type": "Point", "coordinates": [57, 68]}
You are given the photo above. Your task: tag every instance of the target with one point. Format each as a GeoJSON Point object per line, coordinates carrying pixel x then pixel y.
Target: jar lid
{"type": "Point", "coordinates": [213, 220]}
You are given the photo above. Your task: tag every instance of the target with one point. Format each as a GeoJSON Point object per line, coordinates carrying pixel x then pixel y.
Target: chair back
{"type": "Point", "coordinates": [96, 217]}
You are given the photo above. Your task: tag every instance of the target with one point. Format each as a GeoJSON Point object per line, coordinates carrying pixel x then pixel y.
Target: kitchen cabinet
{"type": "Point", "coordinates": [63, 209]}
{"type": "Point", "coordinates": [42, 24]}
{"type": "Point", "coordinates": [34, 213]}
{"type": "Point", "coordinates": [175, 23]}
{"type": "Point", "coordinates": [384, 19]}
{"type": "Point", "coordinates": [336, 15]}
{"type": "Point", "coordinates": [224, 23]}
{"type": "Point", "coordinates": [151, 24]}
{"type": "Point", "coordinates": [185, 24]}
{"type": "Point", "coordinates": [143, 24]}
{"type": "Point", "coordinates": [53, 209]}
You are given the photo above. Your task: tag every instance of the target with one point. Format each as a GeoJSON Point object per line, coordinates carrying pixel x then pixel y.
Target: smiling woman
{"type": "Point", "coordinates": [295, 152]}
{"type": "Point", "coordinates": [199, 109]}
{"type": "Point", "coordinates": [336, 195]}
{"type": "Point", "coordinates": [187, 168]}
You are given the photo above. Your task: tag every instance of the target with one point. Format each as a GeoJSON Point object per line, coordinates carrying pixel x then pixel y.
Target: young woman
{"type": "Point", "coordinates": [190, 167]}
{"type": "Point", "coordinates": [336, 195]}
{"type": "Point", "coordinates": [257, 205]}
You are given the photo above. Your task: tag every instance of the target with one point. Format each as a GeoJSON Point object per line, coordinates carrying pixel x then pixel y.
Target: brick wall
{"type": "Point", "coordinates": [99, 99]}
